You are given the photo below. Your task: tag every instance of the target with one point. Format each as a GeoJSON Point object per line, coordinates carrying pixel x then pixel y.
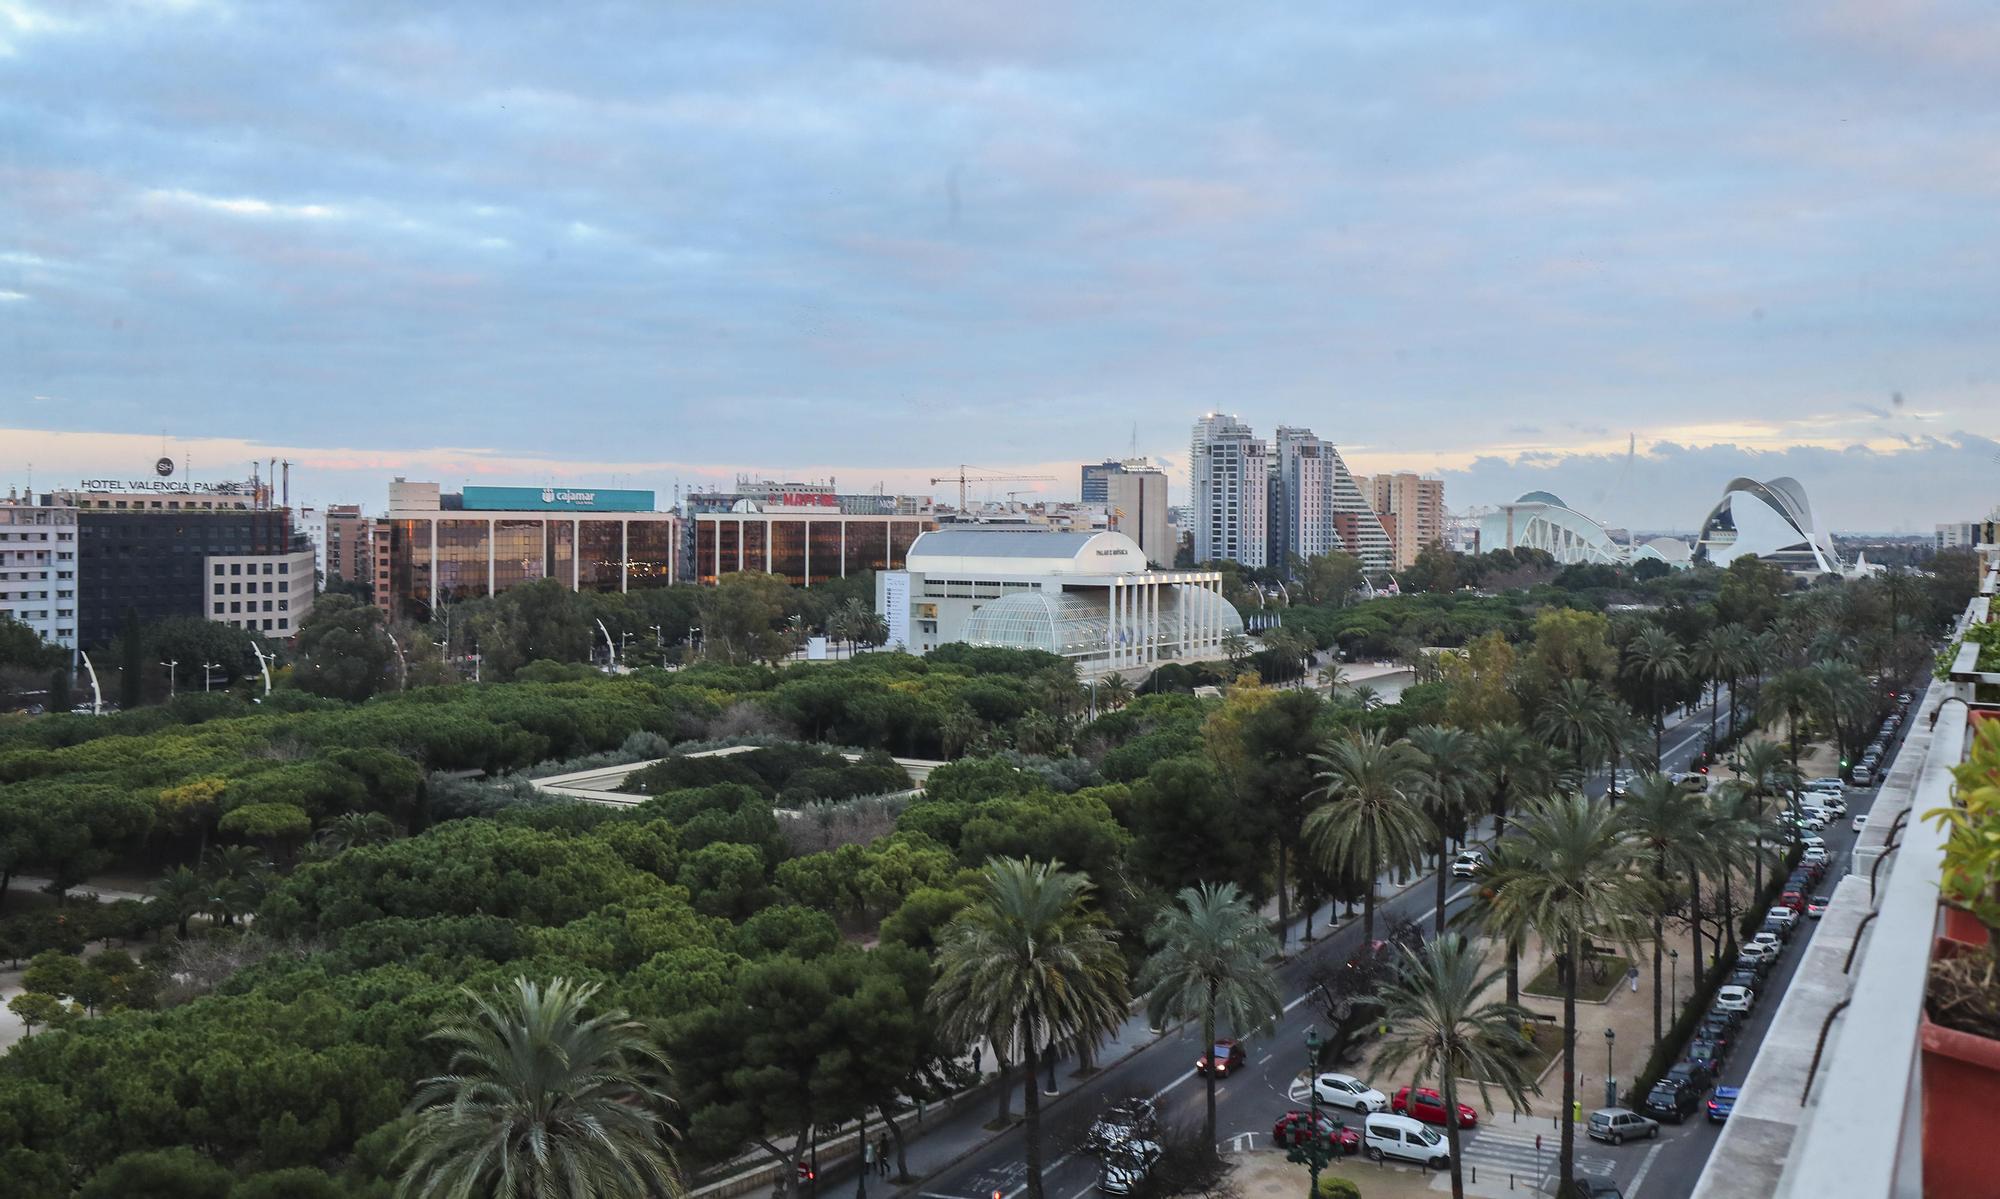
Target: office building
{"type": "Point", "coordinates": [38, 567]}
{"type": "Point", "coordinates": [347, 545]}
{"type": "Point", "coordinates": [802, 542]}
{"type": "Point", "coordinates": [440, 547]}
{"type": "Point", "coordinates": [1097, 481]}
{"type": "Point", "coordinates": [1087, 597]}
{"type": "Point", "coordinates": [144, 549]}
{"type": "Point", "coordinates": [267, 594]}
{"type": "Point", "coordinates": [1411, 509]}
{"type": "Point", "coordinates": [1135, 504]}
{"type": "Point", "coordinates": [1228, 491]}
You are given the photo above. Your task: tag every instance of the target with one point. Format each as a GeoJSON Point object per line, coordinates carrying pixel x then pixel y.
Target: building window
{"type": "Point", "coordinates": [267, 626]}
{"type": "Point", "coordinates": [284, 568]}
{"type": "Point", "coordinates": [235, 605]}
{"type": "Point", "coordinates": [236, 568]}
{"type": "Point", "coordinates": [218, 609]}
{"type": "Point", "coordinates": [283, 587]}
{"type": "Point", "coordinates": [218, 589]}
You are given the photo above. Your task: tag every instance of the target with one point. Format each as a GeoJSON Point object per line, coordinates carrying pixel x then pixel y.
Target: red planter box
{"type": "Point", "coordinates": [1961, 1074]}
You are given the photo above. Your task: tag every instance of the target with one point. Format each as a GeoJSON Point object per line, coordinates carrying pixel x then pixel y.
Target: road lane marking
{"type": "Point", "coordinates": [1047, 1170]}
{"type": "Point", "coordinates": [1450, 899]}
{"type": "Point", "coordinates": [1632, 1192]}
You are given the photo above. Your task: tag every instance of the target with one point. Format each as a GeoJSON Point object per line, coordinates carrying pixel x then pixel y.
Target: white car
{"type": "Point", "coordinates": [1825, 784]}
{"type": "Point", "coordinates": [1815, 853]}
{"type": "Point", "coordinates": [1467, 864]}
{"type": "Point", "coordinates": [1809, 840]}
{"type": "Point", "coordinates": [1762, 951]}
{"type": "Point", "coordinates": [1345, 1090]}
{"type": "Point", "coordinates": [1864, 775]}
{"type": "Point", "coordinates": [1734, 999]}
{"type": "Point", "coordinates": [1783, 915]}
{"type": "Point", "coordinates": [1405, 1139]}
{"type": "Point", "coordinates": [1860, 821]}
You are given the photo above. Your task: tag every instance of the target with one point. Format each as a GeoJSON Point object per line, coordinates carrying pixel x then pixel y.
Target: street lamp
{"type": "Point", "coordinates": [205, 677]}
{"type": "Point", "coordinates": [1306, 1146]}
{"type": "Point", "coordinates": [1674, 978]}
{"type": "Point", "coordinates": [171, 666]}
{"type": "Point", "coordinates": [1610, 1071]}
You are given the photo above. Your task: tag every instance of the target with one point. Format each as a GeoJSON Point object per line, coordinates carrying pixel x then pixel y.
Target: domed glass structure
{"type": "Point", "coordinates": [1075, 624]}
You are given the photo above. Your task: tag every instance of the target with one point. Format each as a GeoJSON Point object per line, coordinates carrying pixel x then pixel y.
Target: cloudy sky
{"type": "Point", "coordinates": [651, 243]}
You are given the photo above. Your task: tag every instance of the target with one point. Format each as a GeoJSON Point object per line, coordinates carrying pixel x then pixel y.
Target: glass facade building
{"type": "Point", "coordinates": [802, 548]}
{"type": "Point", "coordinates": [455, 555]}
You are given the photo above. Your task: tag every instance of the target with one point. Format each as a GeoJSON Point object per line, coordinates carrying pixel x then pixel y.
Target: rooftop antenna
{"type": "Point", "coordinates": [288, 482]}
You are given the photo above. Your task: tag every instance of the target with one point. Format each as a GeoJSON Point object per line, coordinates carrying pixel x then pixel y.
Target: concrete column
{"type": "Point", "coordinates": [576, 555]}
{"type": "Point", "coordinates": [843, 547]}
{"type": "Point", "coordinates": [492, 550]}
{"type": "Point", "coordinates": [1111, 625]}
{"type": "Point", "coordinates": [807, 579]}
{"type": "Point", "coordinates": [625, 554]}
{"type": "Point", "coordinates": [434, 565]}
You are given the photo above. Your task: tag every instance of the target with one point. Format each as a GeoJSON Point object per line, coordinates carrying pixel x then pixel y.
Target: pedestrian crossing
{"type": "Point", "coordinates": [1515, 1152]}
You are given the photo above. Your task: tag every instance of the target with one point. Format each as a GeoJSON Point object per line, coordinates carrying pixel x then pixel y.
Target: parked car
{"type": "Point", "coordinates": [1816, 906]}
{"type": "Point", "coordinates": [1783, 915]}
{"type": "Point", "coordinates": [1345, 1090]}
{"type": "Point", "coordinates": [1299, 1124]}
{"type": "Point", "coordinates": [1427, 1105]}
{"type": "Point", "coordinates": [1864, 775]}
{"type": "Point", "coordinates": [1761, 937]}
{"type": "Point", "coordinates": [1810, 840]}
{"type": "Point", "coordinates": [1467, 863]}
{"type": "Point", "coordinates": [1227, 1058]}
{"type": "Point", "coordinates": [1692, 1074]}
{"type": "Point", "coordinates": [1705, 1053]}
{"type": "Point", "coordinates": [1735, 998]}
{"type": "Point", "coordinates": [1669, 1100]}
{"type": "Point", "coordinates": [1692, 780]}
{"type": "Point", "coordinates": [1794, 900]}
{"type": "Point", "coordinates": [1834, 804]}
{"type": "Point", "coordinates": [1136, 1119]}
{"type": "Point", "coordinates": [1757, 964]}
{"type": "Point", "coordinates": [1722, 1032]}
{"type": "Point", "coordinates": [1722, 1103]}
{"type": "Point", "coordinates": [1618, 1125]}
{"type": "Point", "coordinates": [1405, 1139]}
{"type": "Point", "coordinates": [1746, 976]}
{"type": "Point", "coordinates": [1593, 1187]}
{"type": "Point", "coordinates": [1860, 821]}
{"type": "Point", "coordinates": [1730, 1017]}
{"type": "Point", "coordinates": [1828, 783]}
{"type": "Point", "coordinates": [1814, 853]}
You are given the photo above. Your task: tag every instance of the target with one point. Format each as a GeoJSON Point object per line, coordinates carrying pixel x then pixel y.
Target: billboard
{"type": "Point", "coordinates": [555, 499]}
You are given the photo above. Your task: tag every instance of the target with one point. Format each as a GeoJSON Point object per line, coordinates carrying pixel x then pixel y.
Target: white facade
{"type": "Point", "coordinates": [1084, 596]}
{"type": "Point", "coordinates": [38, 568]}
{"type": "Point", "coordinates": [1228, 492]}
{"type": "Point", "coordinates": [267, 594]}
{"type": "Point", "coordinates": [1302, 496]}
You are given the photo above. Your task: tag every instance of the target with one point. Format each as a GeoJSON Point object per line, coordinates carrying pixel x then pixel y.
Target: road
{"type": "Point", "coordinates": [1247, 1105]}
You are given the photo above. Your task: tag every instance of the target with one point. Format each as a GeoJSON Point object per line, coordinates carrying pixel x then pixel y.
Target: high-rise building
{"type": "Point", "coordinates": [1097, 480]}
{"type": "Point", "coordinates": [1416, 505]}
{"type": "Point", "coordinates": [38, 567]}
{"type": "Point", "coordinates": [1316, 508]}
{"type": "Point", "coordinates": [1228, 491]}
{"type": "Point", "coordinates": [1136, 505]}
{"type": "Point", "coordinates": [348, 545]}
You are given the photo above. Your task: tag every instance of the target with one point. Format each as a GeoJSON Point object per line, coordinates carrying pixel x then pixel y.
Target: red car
{"type": "Point", "coordinates": [1298, 1123]}
{"type": "Point", "coordinates": [1793, 900]}
{"type": "Point", "coordinates": [1429, 1107]}
{"type": "Point", "coordinates": [1227, 1058]}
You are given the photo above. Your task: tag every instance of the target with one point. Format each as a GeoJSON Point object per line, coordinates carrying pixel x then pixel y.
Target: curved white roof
{"type": "Point", "coordinates": [1020, 552]}
{"type": "Point", "coordinates": [1793, 538]}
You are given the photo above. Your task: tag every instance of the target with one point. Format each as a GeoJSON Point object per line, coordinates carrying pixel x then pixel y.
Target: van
{"type": "Point", "coordinates": [1404, 1139]}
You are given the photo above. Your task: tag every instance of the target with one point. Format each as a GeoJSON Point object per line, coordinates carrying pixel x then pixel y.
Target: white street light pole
{"type": "Point", "coordinates": [170, 678]}
{"type": "Point", "coordinates": [206, 679]}
{"type": "Point", "coordinates": [264, 661]}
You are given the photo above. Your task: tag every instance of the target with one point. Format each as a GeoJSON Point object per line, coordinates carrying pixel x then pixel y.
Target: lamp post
{"type": "Point", "coordinates": [1610, 1072]}
{"type": "Point", "coordinates": [206, 677]}
{"type": "Point", "coordinates": [1306, 1146]}
{"type": "Point", "coordinates": [171, 666]}
{"type": "Point", "coordinates": [1674, 978]}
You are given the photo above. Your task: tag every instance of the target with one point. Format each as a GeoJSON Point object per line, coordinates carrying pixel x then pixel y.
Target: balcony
{"type": "Point", "coordinates": [1833, 1105]}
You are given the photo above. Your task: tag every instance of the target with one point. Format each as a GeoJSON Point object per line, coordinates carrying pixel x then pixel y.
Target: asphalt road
{"type": "Point", "coordinates": [1248, 1104]}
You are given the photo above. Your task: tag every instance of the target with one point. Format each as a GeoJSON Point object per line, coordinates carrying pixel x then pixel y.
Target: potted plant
{"type": "Point", "coordinates": [1961, 1024]}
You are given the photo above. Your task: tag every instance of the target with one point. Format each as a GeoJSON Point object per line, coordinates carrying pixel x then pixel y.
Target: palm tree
{"type": "Point", "coordinates": [182, 894]}
{"type": "Point", "coordinates": [1237, 648]}
{"type": "Point", "coordinates": [1573, 718]}
{"type": "Point", "coordinates": [1452, 775]}
{"type": "Point", "coordinates": [1709, 660]}
{"type": "Point", "coordinates": [1438, 1024]}
{"type": "Point", "coordinates": [1661, 817]}
{"type": "Point", "coordinates": [1373, 818]}
{"type": "Point", "coordinates": [1513, 762]}
{"type": "Point", "coordinates": [1029, 966]}
{"type": "Point", "coordinates": [542, 1100]}
{"type": "Point", "coordinates": [1332, 676]}
{"type": "Point", "coordinates": [1569, 875]}
{"type": "Point", "coordinates": [351, 829]}
{"type": "Point", "coordinates": [1114, 692]}
{"type": "Point", "coordinates": [1733, 828]}
{"type": "Point", "coordinates": [1793, 692]}
{"type": "Point", "coordinates": [1846, 696]}
{"type": "Point", "coordinates": [1655, 658]}
{"type": "Point", "coordinates": [1761, 763]}
{"type": "Point", "coordinates": [1210, 961]}
{"type": "Point", "coordinates": [1738, 650]}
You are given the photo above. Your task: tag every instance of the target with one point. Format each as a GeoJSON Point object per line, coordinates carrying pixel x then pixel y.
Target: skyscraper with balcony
{"type": "Point", "coordinates": [1316, 507]}
{"type": "Point", "coordinates": [1228, 491]}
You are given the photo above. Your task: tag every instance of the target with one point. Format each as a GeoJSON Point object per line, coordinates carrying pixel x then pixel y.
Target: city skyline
{"type": "Point", "coordinates": [1480, 243]}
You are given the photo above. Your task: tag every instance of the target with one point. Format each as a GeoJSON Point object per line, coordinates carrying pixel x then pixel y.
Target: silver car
{"type": "Point", "coordinates": [1618, 1125]}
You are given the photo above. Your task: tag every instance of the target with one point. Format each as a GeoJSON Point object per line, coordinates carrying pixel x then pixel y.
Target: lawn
{"type": "Point", "coordinates": [1611, 969]}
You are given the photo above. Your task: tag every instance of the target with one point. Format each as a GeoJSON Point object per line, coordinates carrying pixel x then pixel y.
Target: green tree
{"type": "Point", "coordinates": [1439, 1023]}
{"type": "Point", "coordinates": [181, 894]}
{"type": "Point", "coordinates": [1761, 764]}
{"type": "Point", "coordinates": [743, 618]}
{"type": "Point", "coordinates": [1794, 693]}
{"type": "Point", "coordinates": [1209, 963]}
{"type": "Point", "coordinates": [178, 1173]}
{"type": "Point", "coordinates": [1655, 659]}
{"type": "Point", "coordinates": [543, 1100]}
{"type": "Point", "coordinates": [1029, 967]}
{"type": "Point", "coordinates": [1575, 717]}
{"type": "Point", "coordinates": [1663, 819]}
{"type": "Point", "coordinates": [1568, 875]}
{"type": "Point", "coordinates": [1710, 661]}
{"type": "Point", "coordinates": [1452, 775]}
{"type": "Point", "coordinates": [1372, 817]}
{"type": "Point", "coordinates": [34, 1008]}
{"type": "Point", "coordinates": [343, 652]}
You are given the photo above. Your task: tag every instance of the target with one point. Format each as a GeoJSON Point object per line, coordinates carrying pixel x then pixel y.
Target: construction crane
{"type": "Point", "coordinates": [963, 478]}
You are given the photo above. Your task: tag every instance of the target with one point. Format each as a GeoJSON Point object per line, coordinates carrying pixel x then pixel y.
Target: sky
{"type": "Point", "coordinates": [1620, 252]}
